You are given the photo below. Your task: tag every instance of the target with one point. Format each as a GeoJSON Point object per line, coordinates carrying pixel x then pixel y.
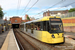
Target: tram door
{"type": "Point", "coordinates": [46, 26]}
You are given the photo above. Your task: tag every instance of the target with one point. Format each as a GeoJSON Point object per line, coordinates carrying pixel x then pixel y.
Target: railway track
{"type": "Point", "coordinates": [24, 44]}
{"type": "Point", "coordinates": [35, 44]}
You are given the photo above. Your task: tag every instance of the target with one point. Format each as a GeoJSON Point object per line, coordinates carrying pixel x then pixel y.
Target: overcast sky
{"type": "Point", "coordinates": [16, 7]}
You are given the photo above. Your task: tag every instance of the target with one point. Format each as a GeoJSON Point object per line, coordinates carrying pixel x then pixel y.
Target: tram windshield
{"type": "Point", "coordinates": [56, 26]}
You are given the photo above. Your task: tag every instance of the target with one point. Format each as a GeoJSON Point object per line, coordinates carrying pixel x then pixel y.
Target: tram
{"type": "Point", "coordinates": [47, 29]}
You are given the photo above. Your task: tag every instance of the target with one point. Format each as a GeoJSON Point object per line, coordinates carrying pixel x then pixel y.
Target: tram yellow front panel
{"type": "Point", "coordinates": [58, 40]}
{"type": "Point", "coordinates": [58, 35]}
{"type": "Point", "coordinates": [47, 37]}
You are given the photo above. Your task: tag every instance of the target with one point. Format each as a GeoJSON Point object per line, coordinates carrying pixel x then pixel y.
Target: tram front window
{"type": "Point", "coordinates": [56, 28]}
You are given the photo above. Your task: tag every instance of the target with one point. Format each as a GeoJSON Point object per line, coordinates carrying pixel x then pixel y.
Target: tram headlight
{"type": "Point", "coordinates": [53, 36]}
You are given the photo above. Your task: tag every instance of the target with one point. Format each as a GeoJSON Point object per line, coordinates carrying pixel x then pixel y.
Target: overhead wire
{"type": "Point", "coordinates": [51, 6]}
{"type": "Point", "coordinates": [70, 4]}
{"type": "Point", "coordinates": [31, 6]}
{"type": "Point", "coordinates": [18, 6]}
{"type": "Point", "coordinates": [25, 7]}
{"type": "Point", "coordinates": [60, 7]}
{"type": "Point", "coordinates": [54, 9]}
{"type": "Point", "coordinates": [65, 5]}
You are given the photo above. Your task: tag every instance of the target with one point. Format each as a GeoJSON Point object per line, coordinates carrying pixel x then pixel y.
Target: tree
{"type": "Point", "coordinates": [72, 10]}
{"type": "Point", "coordinates": [1, 13]}
{"type": "Point", "coordinates": [28, 18]}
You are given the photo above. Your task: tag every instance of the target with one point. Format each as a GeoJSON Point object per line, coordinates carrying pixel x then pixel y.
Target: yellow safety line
{"type": "Point", "coordinates": [5, 45]}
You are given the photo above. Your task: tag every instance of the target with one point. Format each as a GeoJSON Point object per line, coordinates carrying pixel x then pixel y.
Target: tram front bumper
{"type": "Point", "coordinates": [57, 40]}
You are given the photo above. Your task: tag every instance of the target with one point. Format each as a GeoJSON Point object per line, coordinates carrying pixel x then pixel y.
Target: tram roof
{"type": "Point", "coordinates": [47, 18]}
{"type": "Point", "coordinates": [42, 19]}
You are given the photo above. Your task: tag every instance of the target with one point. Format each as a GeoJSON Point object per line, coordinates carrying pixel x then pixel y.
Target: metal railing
{"type": "Point", "coordinates": [69, 14]}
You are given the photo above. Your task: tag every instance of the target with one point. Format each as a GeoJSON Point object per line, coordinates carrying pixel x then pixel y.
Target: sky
{"type": "Point", "coordinates": [21, 7]}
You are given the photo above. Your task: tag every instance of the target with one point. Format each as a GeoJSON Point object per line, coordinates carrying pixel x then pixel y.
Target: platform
{"type": "Point", "coordinates": [10, 42]}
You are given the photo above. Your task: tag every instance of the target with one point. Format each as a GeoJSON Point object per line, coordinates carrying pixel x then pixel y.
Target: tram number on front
{"type": "Point", "coordinates": [55, 19]}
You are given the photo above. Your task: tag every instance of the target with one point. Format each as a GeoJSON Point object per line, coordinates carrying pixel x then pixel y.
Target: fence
{"type": "Point", "coordinates": [70, 14]}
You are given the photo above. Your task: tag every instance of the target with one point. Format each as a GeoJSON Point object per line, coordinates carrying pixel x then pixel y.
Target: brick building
{"type": "Point", "coordinates": [26, 17]}
{"type": "Point", "coordinates": [26, 20]}
{"type": "Point", "coordinates": [15, 20]}
{"type": "Point", "coordinates": [55, 13]}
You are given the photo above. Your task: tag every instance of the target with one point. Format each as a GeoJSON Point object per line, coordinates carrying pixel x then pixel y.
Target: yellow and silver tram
{"type": "Point", "coordinates": [48, 29]}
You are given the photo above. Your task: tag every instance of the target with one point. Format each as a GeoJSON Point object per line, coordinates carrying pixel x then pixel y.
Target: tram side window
{"type": "Point", "coordinates": [28, 26]}
{"type": "Point", "coordinates": [32, 26]}
{"type": "Point", "coordinates": [45, 25]}
{"type": "Point", "coordinates": [37, 26]}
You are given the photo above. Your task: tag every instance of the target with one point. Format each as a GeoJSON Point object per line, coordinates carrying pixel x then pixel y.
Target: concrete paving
{"type": "Point", "coordinates": [2, 37]}
{"type": "Point", "coordinates": [10, 42]}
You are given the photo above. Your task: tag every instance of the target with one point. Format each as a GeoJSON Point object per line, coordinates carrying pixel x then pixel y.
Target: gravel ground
{"type": "Point", "coordinates": [2, 37]}
{"type": "Point", "coordinates": [69, 33]}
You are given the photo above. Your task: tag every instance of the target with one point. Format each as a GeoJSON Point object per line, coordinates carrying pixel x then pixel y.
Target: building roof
{"type": "Point", "coordinates": [55, 12]}
{"type": "Point", "coordinates": [15, 17]}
